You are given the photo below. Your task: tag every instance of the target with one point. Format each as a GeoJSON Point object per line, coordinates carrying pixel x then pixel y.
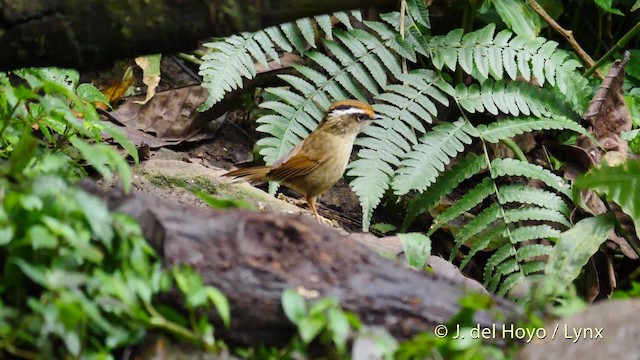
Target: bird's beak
{"type": "Point", "coordinates": [377, 117]}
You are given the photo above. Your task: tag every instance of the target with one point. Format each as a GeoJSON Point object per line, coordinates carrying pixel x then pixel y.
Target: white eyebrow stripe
{"type": "Point", "coordinates": [349, 111]}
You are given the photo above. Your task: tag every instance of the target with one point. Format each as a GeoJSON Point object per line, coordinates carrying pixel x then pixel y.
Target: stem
{"type": "Point", "coordinates": [190, 58]}
{"type": "Point", "coordinates": [160, 322]}
{"type": "Point", "coordinates": [515, 148]}
{"type": "Point", "coordinates": [403, 10]}
{"type": "Point", "coordinates": [567, 34]}
{"type": "Point", "coordinates": [618, 46]}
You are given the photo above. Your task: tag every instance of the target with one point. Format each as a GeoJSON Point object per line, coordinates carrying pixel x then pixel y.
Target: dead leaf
{"type": "Point", "coordinates": [151, 74]}
{"type": "Point", "coordinates": [608, 115]}
{"type": "Point", "coordinates": [117, 88]}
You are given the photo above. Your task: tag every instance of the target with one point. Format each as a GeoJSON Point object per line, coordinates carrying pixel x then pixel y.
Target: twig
{"type": "Point", "coordinates": [185, 68]}
{"type": "Point", "coordinates": [617, 47]}
{"type": "Point", "coordinates": [567, 34]}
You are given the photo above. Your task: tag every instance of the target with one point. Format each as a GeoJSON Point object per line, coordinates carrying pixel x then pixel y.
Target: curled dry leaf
{"type": "Point", "coordinates": [151, 74]}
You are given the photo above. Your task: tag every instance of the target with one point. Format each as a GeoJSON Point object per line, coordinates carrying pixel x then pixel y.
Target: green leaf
{"type": "Point", "coordinates": [517, 16]}
{"type": "Point", "coordinates": [122, 140]}
{"type": "Point", "coordinates": [513, 167]}
{"type": "Point", "coordinates": [500, 130]}
{"type": "Point", "coordinates": [294, 306]}
{"type": "Point", "coordinates": [190, 284]}
{"type": "Point", "coordinates": [338, 325]}
{"type": "Point", "coordinates": [576, 246]}
{"type": "Point", "coordinates": [635, 6]}
{"type": "Point", "coordinates": [23, 153]}
{"type": "Point", "coordinates": [620, 184]}
{"type": "Point", "coordinates": [90, 93]}
{"type": "Point", "coordinates": [310, 327]}
{"type": "Point", "coordinates": [607, 5]}
{"type": "Point", "coordinates": [417, 249]}
{"type": "Point", "coordinates": [221, 303]}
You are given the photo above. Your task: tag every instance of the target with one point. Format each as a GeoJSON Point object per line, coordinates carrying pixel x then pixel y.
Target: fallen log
{"type": "Point", "coordinates": [253, 256]}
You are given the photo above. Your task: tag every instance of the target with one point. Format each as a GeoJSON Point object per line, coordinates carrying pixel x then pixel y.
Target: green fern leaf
{"type": "Point", "coordinates": [503, 253]}
{"type": "Point", "coordinates": [405, 109]}
{"type": "Point", "coordinates": [505, 129]}
{"type": "Point", "coordinates": [463, 169]}
{"type": "Point", "coordinates": [537, 214]}
{"type": "Point", "coordinates": [526, 233]}
{"type": "Point", "coordinates": [510, 97]}
{"type": "Point", "coordinates": [620, 184]}
{"type": "Point", "coordinates": [429, 156]}
{"type": "Point", "coordinates": [471, 199]}
{"type": "Point", "coordinates": [533, 196]}
{"type": "Point", "coordinates": [482, 241]}
{"type": "Point", "coordinates": [419, 12]}
{"type": "Point", "coordinates": [533, 267]}
{"type": "Point", "coordinates": [481, 54]}
{"type": "Point", "coordinates": [231, 59]}
{"type": "Point", "coordinates": [480, 222]}
{"type": "Point", "coordinates": [532, 251]}
{"type": "Point", "coordinates": [511, 281]}
{"type": "Point", "coordinates": [513, 167]}
{"type": "Point", "coordinates": [505, 269]}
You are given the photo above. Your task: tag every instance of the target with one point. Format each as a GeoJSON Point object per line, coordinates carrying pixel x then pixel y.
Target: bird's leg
{"type": "Point", "coordinates": [311, 200]}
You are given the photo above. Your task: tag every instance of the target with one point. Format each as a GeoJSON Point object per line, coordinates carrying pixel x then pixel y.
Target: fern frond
{"type": "Point", "coordinates": [471, 199]}
{"type": "Point", "coordinates": [463, 169]}
{"type": "Point", "coordinates": [405, 110]}
{"type": "Point", "coordinates": [481, 54]}
{"type": "Point", "coordinates": [298, 115]}
{"type": "Point", "coordinates": [480, 222]}
{"type": "Point", "coordinates": [500, 130]}
{"type": "Point", "coordinates": [229, 60]}
{"type": "Point", "coordinates": [533, 196]}
{"type": "Point", "coordinates": [434, 150]}
{"type": "Point", "coordinates": [510, 97]}
{"type": "Point", "coordinates": [537, 214]}
{"type": "Point", "coordinates": [482, 241]}
{"type": "Point", "coordinates": [513, 167]}
{"type": "Point", "coordinates": [526, 233]}
{"type": "Point", "coordinates": [503, 253]}
{"type": "Point", "coordinates": [532, 251]}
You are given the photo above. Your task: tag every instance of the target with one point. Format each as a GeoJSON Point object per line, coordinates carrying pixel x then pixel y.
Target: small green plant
{"type": "Point", "coordinates": [77, 281]}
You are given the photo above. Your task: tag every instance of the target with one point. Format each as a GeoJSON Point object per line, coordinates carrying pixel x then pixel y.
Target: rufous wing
{"type": "Point", "coordinates": [293, 167]}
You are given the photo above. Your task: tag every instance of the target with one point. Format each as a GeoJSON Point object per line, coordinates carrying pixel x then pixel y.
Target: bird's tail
{"type": "Point", "coordinates": [256, 173]}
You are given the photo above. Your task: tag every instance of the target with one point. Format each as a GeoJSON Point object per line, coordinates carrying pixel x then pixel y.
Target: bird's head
{"type": "Point", "coordinates": [348, 117]}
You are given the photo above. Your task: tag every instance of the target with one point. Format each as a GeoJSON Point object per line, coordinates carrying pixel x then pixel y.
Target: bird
{"type": "Point", "coordinates": [314, 165]}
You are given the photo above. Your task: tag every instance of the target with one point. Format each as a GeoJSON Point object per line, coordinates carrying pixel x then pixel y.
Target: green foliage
{"type": "Point", "coordinates": [323, 318]}
{"type": "Point", "coordinates": [51, 101]}
{"type": "Point", "coordinates": [457, 342]}
{"type": "Point", "coordinates": [617, 184]}
{"type": "Point", "coordinates": [416, 151]}
{"type": "Point", "coordinates": [417, 249]}
{"type": "Point", "coordinates": [231, 59]}
{"type": "Point", "coordinates": [576, 246]}
{"type": "Point", "coordinates": [77, 281]}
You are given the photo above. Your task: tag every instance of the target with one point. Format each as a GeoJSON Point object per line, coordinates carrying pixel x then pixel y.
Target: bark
{"type": "Point", "coordinates": [253, 256]}
{"type": "Point", "coordinates": [91, 34]}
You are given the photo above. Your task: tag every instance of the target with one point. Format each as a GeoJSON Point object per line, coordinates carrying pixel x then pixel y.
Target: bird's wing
{"type": "Point", "coordinates": [292, 167]}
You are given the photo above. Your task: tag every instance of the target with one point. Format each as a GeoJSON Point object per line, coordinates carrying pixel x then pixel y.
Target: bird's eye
{"type": "Point", "coordinates": [362, 117]}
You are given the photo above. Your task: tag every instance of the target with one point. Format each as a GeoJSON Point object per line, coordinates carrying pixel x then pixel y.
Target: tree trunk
{"type": "Point", "coordinates": [93, 33]}
{"type": "Point", "coordinates": [253, 256]}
